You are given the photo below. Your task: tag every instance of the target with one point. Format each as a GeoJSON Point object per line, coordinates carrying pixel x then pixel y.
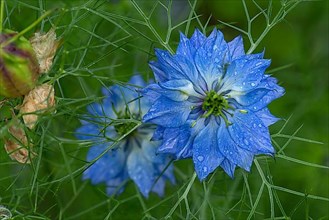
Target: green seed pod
{"type": "Point", "coordinates": [19, 68]}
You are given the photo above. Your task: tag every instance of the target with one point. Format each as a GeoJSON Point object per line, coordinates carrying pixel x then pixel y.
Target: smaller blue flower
{"type": "Point", "coordinates": [134, 156]}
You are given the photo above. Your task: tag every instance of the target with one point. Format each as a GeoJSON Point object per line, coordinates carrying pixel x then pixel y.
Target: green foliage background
{"type": "Point", "coordinates": [104, 43]}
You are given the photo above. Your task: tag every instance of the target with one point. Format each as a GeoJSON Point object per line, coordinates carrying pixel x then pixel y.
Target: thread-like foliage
{"type": "Point", "coordinates": [104, 43]}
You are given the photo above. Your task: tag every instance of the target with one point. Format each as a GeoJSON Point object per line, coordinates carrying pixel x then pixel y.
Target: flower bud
{"type": "Point", "coordinates": [19, 68]}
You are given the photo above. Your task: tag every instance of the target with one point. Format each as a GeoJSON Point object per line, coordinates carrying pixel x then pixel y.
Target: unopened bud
{"type": "Point", "coordinates": [19, 69]}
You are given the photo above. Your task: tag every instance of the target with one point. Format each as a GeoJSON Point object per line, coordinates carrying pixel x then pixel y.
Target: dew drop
{"type": "Point", "coordinates": [216, 60]}
{"type": "Point", "coordinates": [215, 47]}
{"type": "Point", "coordinates": [243, 83]}
{"type": "Point", "coordinates": [200, 158]}
{"type": "Point", "coordinates": [205, 169]}
{"type": "Point", "coordinates": [253, 84]}
{"type": "Point", "coordinates": [209, 54]}
{"type": "Point", "coordinates": [246, 141]}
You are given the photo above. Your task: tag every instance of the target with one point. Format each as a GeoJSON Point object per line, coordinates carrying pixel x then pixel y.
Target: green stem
{"type": "Point", "coordinates": [2, 6]}
{"type": "Point", "coordinates": [183, 197]}
{"type": "Point", "coordinates": [46, 14]}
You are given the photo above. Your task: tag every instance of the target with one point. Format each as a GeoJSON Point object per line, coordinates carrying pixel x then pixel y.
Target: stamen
{"type": "Point", "coordinates": [217, 105]}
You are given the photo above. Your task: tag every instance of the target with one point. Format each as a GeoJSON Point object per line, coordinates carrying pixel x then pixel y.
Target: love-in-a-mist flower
{"type": "Point", "coordinates": [210, 103]}
{"type": "Point", "coordinates": [134, 155]}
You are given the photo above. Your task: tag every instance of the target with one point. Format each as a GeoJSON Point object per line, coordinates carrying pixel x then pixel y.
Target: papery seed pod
{"type": "Point", "coordinates": [45, 46]}
{"type": "Point", "coordinates": [17, 146]}
{"type": "Point", "coordinates": [39, 100]}
{"type": "Point", "coordinates": [5, 214]}
{"type": "Point", "coordinates": [19, 68]}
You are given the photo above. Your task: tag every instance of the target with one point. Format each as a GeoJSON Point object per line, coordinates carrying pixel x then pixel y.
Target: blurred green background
{"type": "Point", "coordinates": [105, 42]}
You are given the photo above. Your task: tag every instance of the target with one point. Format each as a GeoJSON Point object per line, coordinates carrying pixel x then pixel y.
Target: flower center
{"type": "Point", "coordinates": [215, 104]}
{"type": "Point", "coordinates": [123, 128]}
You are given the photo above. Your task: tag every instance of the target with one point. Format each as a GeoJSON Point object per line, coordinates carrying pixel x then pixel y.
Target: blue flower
{"type": "Point", "coordinates": [134, 155]}
{"type": "Point", "coordinates": [210, 103]}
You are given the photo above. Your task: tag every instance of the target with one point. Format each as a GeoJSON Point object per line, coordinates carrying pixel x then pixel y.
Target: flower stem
{"type": "Point", "coordinates": [183, 197]}
{"type": "Point", "coordinates": [2, 6]}
{"type": "Point", "coordinates": [46, 14]}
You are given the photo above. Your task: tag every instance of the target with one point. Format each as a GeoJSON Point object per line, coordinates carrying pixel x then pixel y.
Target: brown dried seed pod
{"type": "Point", "coordinates": [17, 146]}
{"type": "Point", "coordinates": [45, 47]}
{"type": "Point", "coordinates": [39, 100]}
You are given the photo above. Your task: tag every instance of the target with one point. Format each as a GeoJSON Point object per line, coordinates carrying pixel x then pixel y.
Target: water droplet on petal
{"type": "Point", "coordinates": [205, 169]}
{"type": "Point", "coordinates": [215, 47]}
{"type": "Point", "coordinates": [216, 60]}
{"type": "Point", "coordinates": [253, 84]}
{"type": "Point", "coordinates": [200, 158]}
{"type": "Point", "coordinates": [209, 54]}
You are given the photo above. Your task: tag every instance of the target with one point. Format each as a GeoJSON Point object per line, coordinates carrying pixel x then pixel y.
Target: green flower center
{"type": "Point", "coordinates": [216, 104]}
{"type": "Point", "coordinates": [123, 127]}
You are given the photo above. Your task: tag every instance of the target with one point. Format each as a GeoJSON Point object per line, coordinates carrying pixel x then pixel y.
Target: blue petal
{"type": "Point", "coordinates": [168, 113]}
{"type": "Point", "coordinates": [187, 68]}
{"type": "Point", "coordinates": [236, 48]}
{"type": "Point", "coordinates": [275, 91]}
{"type": "Point", "coordinates": [169, 65]}
{"type": "Point", "coordinates": [159, 186]}
{"type": "Point", "coordinates": [246, 99]}
{"type": "Point", "coordinates": [167, 174]}
{"type": "Point", "coordinates": [212, 57]}
{"type": "Point", "coordinates": [206, 155]}
{"type": "Point", "coordinates": [177, 90]}
{"type": "Point", "coordinates": [137, 80]}
{"type": "Point", "coordinates": [249, 133]}
{"type": "Point", "coordinates": [141, 171]}
{"type": "Point", "coordinates": [88, 131]}
{"type": "Point", "coordinates": [109, 166]}
{"type": "Point", "coordinates": [231, 150]}
{"type": "Point", "coordinates": [116, 185]}
{"type": "Point", "coordinates": [228, 167]}
{"type": "Point", "coordinates": [96, 109]}
{"type": "Point", "coordinates": [151, 92]}
{"type": "Point", "coordinates": [254, 56]}
{"type": "Point", "coordinates": [266, 117]}
{"type": "Point", "coordinates": [158, 133]}
{"type": "Point", "coordinates": [159, 74]}
{"type": "Point", "coordinates": [244, 75]}
{"type": "Point", "coordinates": [185, 47]}
{"type": "Point", "coordinates": [198, 38]}
{"type": "Point", "coordinates": [177, 142]}
{"type": "Point", "coordinates": [149, 151]}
